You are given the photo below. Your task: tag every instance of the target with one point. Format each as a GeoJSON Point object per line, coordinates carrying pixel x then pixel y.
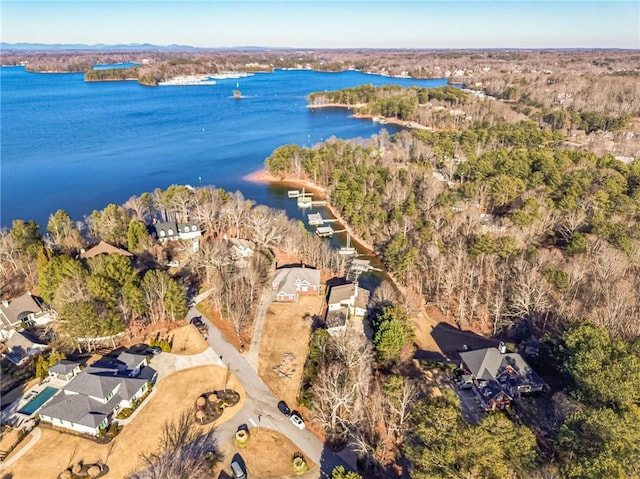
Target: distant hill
{"type": "Point", "coordinates": [122, 47]}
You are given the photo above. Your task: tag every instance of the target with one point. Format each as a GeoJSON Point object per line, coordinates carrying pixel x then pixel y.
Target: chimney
{"type": "Point", "coordinates": [502, 347]}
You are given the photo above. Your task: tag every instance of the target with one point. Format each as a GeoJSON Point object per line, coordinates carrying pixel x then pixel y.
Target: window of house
{"type": "Point", "coordinates": [162, 234]}
{"type": "Point", "coordinates": [170, 232]}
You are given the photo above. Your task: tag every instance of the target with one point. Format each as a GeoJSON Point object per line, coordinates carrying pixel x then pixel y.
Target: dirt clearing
{"type": "Point", "coordinates": [285, 345]}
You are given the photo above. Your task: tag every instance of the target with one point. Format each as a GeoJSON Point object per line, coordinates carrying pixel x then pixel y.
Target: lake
{"type": "Point", "coordinates": [78, 146]}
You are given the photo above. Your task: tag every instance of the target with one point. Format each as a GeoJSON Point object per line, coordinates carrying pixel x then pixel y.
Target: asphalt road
{"type": "Point", "coordinates": [260, 407]}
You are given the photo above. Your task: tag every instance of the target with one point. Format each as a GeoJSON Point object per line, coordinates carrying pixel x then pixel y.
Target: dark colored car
{"type": "Point", "coordinates": [197, 322]}
{"type": "Point", "coordinates": [284, 409]}
{"type": "Point", "coordinates": [154, 350]}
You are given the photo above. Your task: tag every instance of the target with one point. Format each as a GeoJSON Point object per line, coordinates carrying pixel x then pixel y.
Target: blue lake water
{"type": "Point", "coordinates": [79, 146]}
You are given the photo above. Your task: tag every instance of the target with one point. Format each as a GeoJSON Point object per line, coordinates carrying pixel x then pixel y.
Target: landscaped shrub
{"type": "Point", "coordinates": [241, 438]}
{"type": "Point", "coordinates": [299, 464]}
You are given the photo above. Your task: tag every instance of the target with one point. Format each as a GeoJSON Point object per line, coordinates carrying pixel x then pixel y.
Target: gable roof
{"type": "Point", "coordinates": [489, 364]}
{"type": "Point", "coordinates": [287, 280]}
{"type": "Point", "coordinates": [19, 308]}
{"type": "Point", "coordinates": [104, 248]}
{"type": "Point", "coordinates": [20, 345]}
{"type": "Point", "coordinates": [345, 292]}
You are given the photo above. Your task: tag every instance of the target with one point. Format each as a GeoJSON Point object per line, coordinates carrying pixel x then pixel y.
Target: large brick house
{"type": "Point", "coordinates": [289, 282]}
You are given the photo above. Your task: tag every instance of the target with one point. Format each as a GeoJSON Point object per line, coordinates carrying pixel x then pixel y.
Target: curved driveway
{"type": "Point", "coordinates": [260, 407]}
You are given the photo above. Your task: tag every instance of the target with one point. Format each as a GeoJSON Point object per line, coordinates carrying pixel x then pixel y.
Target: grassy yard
{"type": "Point", "coordinates": [285, 345]}
{"type": "Point", "coordinates": [56, 450]}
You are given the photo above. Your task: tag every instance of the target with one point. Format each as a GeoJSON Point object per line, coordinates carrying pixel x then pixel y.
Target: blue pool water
{"type": "Point", "coordinates": [42, 397]}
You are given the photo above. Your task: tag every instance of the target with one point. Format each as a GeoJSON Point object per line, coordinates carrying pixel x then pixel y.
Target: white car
{"type": "Point", "coordinates": [297, 421]}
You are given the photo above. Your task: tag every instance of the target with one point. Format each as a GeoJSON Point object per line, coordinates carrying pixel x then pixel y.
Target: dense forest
{"type": "Point", "coordinates": [506, 230]}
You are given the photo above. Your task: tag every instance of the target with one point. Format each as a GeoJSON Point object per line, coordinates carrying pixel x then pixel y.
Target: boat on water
{"type": "Point", "coordinates": [293, 193]}
{"type": "Point", "coordinates": [347, 250]}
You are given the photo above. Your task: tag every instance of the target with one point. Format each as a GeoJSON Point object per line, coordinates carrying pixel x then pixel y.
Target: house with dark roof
{"type": "Point", "coordinates": [173, 231]}
{"type": "Point", "coordinates": [289, 282]}
{"type": "Point", "coordinates": [90, 401]}
{"type": "Point", "coordinates": [28, 309]}
{"type": "Point", "coordinates": [104, 248]}
{"type": "Point", "coordinates": [345, 301]}
{"type": "Point", "coordinates": [498, 377]}
{"type": "Point", "coordinates": [20, 346]}
{"type": "Point", "coordinates": [64, 370]}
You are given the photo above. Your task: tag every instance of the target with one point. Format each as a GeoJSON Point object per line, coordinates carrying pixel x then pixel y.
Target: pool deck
{"type": "Point", "coordinates": [12, 415]}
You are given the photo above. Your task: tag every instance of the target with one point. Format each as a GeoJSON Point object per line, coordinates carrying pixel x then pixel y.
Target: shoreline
{"type": "Point", "coordinates": [263, 176]}
{"type": "Point", "coordinates": [411, 125]}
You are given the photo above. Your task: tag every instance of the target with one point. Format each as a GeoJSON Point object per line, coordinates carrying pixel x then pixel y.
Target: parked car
{"type": "Point", "coordinates": [297, 420]}
{"type": "Point", "coordinates": [153, 350]}
{"type": "Point", "coordinates": [197, 322]}
{"type": "Point", "coordinates": [238, 472]}
{"type": "Point", "coordinates": [284, 408]}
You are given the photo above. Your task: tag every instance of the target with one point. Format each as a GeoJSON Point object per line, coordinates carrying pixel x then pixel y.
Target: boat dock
{"type": "Point", "coordinates": [324, 231]}
{"type": "Point", "coordinates": [315, 219]}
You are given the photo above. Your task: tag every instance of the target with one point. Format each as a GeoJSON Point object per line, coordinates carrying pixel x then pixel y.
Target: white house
{"type": "Point", "coordinates": [64, 370]}
{"type": "Point", "coordinates": [172, 231]}
{"type": "Point", "coordinates": [90, 401]}
{"type": "Point", "coordinates": [241, 248]}
{"type": "Point", "coordinates": [28, 309]}
{"type": "Point", "coordinates": [20, 346]}
{"type": "Point", "coordinates": [345, 301]}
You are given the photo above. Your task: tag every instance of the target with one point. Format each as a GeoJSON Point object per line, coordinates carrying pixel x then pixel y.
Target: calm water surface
{"type": "Point", "coordinates": [80, 146]}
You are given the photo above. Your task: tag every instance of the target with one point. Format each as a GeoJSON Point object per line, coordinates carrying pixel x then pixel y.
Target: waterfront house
{"type": "Point", "coordinates": [27, 309]}
{"type": "Point", "coordinates": [345, 301]}
{"type": "Point", "coordinates": [173, 231]}
{"type": "Point", "coordinates": [498, 377]}
{"type": "Point", "coordinates": [289, 282]}
{"type": "Point", "coordinates": [91, 400]}
{"type": "Point", "coordinates": [104, 248]}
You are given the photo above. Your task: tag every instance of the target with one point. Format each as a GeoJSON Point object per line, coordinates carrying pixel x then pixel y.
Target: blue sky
{"type": "Point", "coordinates": [328, 23]}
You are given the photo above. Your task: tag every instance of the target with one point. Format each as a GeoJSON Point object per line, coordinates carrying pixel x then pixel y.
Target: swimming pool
{"type": "Point", "coordinates": [42, 397]}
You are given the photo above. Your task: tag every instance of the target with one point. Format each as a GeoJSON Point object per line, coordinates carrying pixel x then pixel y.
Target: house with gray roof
{"type": "Point", "coordinates": [90, 401]}
{"type": "Point", "coordinates": [289, 282]}
{"type": "Point", "coordinates": [172, 231]}
{"type": "Point", "coordinates": [20, 346]}
{"type": "Point", "coordinates": [498, 377]}
{"type": "Point", "coordinates": [64, 370]}
{"type": "Point", "coordinates": [28, 309]}
{"type": "Point", "coordinates": [345, 301]}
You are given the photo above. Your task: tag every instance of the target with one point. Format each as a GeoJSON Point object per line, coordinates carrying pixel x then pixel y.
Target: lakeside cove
{"type": "Point", "coordinates": [382, 120]}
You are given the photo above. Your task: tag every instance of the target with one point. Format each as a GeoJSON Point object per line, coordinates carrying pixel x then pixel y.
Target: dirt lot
{"type": "Point", "coordinates": [56, 450]}
{"type": "Point", "coordinates": [268, 454]}
{"type": "Point", "coordinates": [285, 345]}
{"type": "Point", "coordinates": [187, 340]}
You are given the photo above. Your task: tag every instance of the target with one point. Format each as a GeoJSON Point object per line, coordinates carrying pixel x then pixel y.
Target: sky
{"type": "Point", "coordinates": [328, 23]}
